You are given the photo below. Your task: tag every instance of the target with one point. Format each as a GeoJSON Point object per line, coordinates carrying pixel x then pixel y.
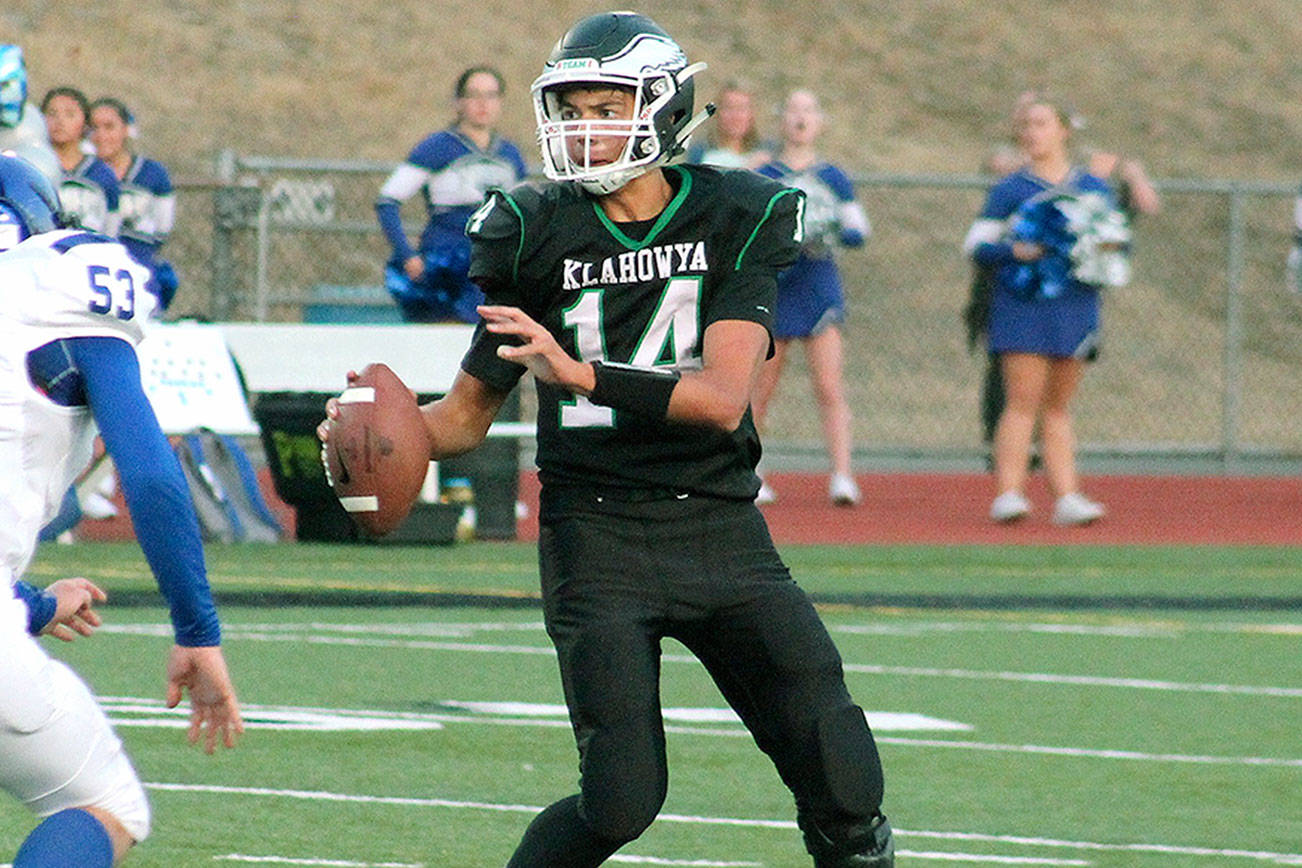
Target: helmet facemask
{"type": "Point", "coordinates": [660, 124]}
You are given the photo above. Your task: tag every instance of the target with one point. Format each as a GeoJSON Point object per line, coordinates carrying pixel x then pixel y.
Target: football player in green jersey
{"type": "Point", "coordinates": [640, 296]}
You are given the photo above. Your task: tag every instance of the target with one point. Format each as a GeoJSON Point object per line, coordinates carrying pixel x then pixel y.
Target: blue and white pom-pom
{"type": "Point", "coordinates": [1101, 254]}
{"type": "Point", "coordinates": [1084, 238]}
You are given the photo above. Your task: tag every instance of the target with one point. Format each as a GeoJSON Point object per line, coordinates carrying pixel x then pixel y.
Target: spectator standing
{"type": "Point", "coordinates": [810, 300]}
{"type": "Point", "coordinates": [1135, 196]}
{"type": "Point", "coordinates": [452, 169]}
{"type": "Point", "coordinates": [22, 129]}
{"type": "Point", "coordinates": [733, 140]}
{"type": "Point", "coordinates": [146, 202]}
{"type": "Point", "coordinates": [68, 330]}
{"type": "Point", "coordinates": [147, 209]}
{"type": "Point", "coordinates": [89, 189]}
{"type": "Point", "coordinates": [1044, 313]}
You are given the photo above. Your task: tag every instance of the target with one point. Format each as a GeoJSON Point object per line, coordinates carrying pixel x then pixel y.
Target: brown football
{"type": "Point", "coordinates": [377, 452]}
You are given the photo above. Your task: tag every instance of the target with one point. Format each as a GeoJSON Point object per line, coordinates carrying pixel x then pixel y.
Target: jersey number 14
{"type": "Point", "coordinates": [669, 340]}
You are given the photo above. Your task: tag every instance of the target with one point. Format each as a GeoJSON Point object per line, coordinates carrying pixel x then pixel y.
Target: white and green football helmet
{"type": "Point", "coordinates": [623, 50]}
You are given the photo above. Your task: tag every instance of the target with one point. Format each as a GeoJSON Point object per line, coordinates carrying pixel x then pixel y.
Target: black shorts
{"type": "Point", "coordinates": [619, 576]}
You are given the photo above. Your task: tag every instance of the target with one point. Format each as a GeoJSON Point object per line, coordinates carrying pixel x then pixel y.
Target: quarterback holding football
{"type": "Point", "coordinates": [639, 293]}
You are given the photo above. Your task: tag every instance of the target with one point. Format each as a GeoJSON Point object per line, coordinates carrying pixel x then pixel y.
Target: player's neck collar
{"type": "Point", "coordinates": [684, 179]}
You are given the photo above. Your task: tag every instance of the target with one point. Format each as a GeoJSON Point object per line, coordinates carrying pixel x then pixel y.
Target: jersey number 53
{"type": "Point", "coordinates": [112, 291]}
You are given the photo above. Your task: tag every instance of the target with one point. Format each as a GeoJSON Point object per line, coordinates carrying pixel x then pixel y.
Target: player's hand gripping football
{"type": "Point", "coordinates": [332, 412]}
{"type": "Point", "coordinates": [538, 350]}
{"type": "Point", "coordinates": [73, 613]}
{"type": "Point", "coordinates": [332, 409]}
{"type": "Point", "coordinates": [214, 711]}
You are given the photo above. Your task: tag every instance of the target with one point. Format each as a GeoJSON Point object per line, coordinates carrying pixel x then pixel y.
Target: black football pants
{"type": "Point", "coordinates": [617, 578]}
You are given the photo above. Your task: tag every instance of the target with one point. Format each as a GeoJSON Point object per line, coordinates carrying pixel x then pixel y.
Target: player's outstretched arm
{"type": "Point", "coordinates": [167, 530]}
{"type": "Point", "coordinates": [214, 711]}
{"type": "Point", "coordinates": [74, 613]}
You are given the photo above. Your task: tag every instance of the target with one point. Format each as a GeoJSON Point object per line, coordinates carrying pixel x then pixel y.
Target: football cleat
{"type": "Point", "coordinates": [868, 845]}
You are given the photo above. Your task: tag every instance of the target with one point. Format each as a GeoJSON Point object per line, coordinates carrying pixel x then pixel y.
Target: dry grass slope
{"type": "Point", "coordinates": [1200, 88]}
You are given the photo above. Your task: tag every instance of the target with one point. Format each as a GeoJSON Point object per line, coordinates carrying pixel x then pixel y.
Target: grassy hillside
{"type": "Point", "coordinates": [1197, 88]}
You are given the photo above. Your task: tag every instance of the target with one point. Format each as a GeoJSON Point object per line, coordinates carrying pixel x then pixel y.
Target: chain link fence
{"type": "Point", "coordinates": [1201, 353]}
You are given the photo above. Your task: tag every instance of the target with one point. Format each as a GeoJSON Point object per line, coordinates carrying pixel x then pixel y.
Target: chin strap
{"type": "Point", "coordinates": [701, 117]}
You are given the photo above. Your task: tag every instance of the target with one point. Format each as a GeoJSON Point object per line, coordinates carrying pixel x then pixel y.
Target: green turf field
{"type": "Point", "coordinates": [1035, 730]}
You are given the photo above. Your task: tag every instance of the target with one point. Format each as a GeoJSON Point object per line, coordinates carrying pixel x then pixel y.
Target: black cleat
{"type": "Point", "coordinates": [867, 845]}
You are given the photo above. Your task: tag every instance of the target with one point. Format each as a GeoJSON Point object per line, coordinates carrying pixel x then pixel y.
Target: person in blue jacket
{"type": "Point", "coordinates": [1052, 236]}
{"type": "Point", "coordinates": [452, 170]}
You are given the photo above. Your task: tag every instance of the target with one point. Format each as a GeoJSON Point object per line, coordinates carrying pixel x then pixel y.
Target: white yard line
{"type": "Point", "coordinates": [1095, 753]}
{"type": "Point", "coordinates": [1016, 840]}
{"type": "Point", "coordinates": [1076, 680]}
{"type": "Point", "coordinates": [330, 863]}
{"type": "Point", "coordinates": [629, 859]}
{"type": "Point", "coordinates": [1122, 629]}
{"type": "Point", "coordinates": [236, 633]}
{"type": "Point", "coordinates": [324, 719]}
{"type": "Point", "coordinates": [945, 856]}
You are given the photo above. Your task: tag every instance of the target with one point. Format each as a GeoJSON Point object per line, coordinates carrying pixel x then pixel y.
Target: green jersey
{"type": "Point", "coordinates": [641, 294]}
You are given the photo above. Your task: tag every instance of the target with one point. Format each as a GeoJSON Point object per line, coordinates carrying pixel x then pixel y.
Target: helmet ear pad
{"type": "Point", "coordinates": [676, 114]}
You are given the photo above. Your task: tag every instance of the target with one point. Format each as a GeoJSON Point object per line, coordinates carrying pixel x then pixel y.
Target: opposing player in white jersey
{"type": "Point", "coordinates": [22, 129]}
{"type": "Point", "coordinates": [74, 306]}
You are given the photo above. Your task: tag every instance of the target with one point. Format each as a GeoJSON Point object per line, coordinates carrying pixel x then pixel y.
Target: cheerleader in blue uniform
{"type": "Point", "coordinates": [146, 203]}
{"type": "Point", "coordinates": [733, 140]}
{"type": "Point", "coordinates": [89, 189]}
{"type": "Point", "coordinates": [810, 302]}
{"type": "Point", "coordinates": [453, 169]}
{"type": "Point", "coordinates": [1053, 237]}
